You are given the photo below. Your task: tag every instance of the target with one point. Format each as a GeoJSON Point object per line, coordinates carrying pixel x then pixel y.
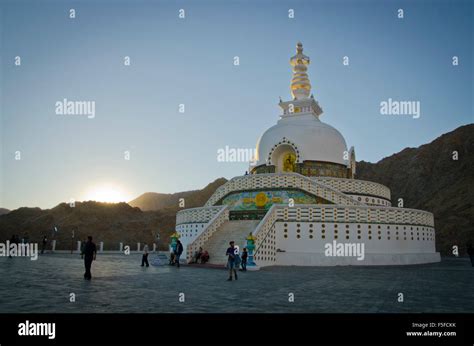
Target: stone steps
{"type": "Point", "coordinates": [230, 230]}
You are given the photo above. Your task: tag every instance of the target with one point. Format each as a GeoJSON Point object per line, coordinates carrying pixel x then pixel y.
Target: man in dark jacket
{"type": "Point", "coordinates": [178, 252]}
{"type": "Point", "coordinates": [89, 254]}
{"type": "Point", "coordinates": [470, 252]}
{"type": "Point", "coordinates": [244, 257]}
{"type": "Point", "coordinates": [231, 253]}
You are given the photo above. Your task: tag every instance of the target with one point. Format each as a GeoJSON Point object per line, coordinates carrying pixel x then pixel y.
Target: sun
{"type": "Point", "coordinates": [109, 193]}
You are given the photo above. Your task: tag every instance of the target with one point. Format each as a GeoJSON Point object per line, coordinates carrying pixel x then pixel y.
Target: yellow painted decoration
{"type": "Point", "coordinates": [261, 199]}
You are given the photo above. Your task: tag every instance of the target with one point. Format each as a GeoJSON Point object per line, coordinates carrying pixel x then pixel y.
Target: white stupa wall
{"type": "Point", "coordinates": [305, 243]}
{"type": "Point", "coordinates": [189, 232]}
{"type": "Point", "coordinates": [307, 250]}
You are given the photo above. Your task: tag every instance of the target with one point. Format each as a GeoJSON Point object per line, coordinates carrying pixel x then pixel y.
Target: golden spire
{"type": "Point", "coordinates": [300, 85]}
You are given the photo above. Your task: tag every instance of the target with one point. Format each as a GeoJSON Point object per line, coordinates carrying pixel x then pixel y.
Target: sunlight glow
{"type": "Point", "coordinates": [106, 193]}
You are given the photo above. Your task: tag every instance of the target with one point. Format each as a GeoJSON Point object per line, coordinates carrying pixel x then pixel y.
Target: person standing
{"type": "Point", "coordinates": [245, 255]}
{"type": "Point", "coordinates": [231, 261]}
{"type": "Point", "coordinates": [12, 241]}
{"type": "Point", "coordinates": [26, 238]}
{"type": "Point", "coordinates": [45, 241]}
{"type": "Point", "coordinates": [178, 252]}
{"type": "Point", "coordinates": [89, 255]}
{"type": "Point", "coordinates": [470, 252]}
{"type": "Point", "coordinates": [145, 256]}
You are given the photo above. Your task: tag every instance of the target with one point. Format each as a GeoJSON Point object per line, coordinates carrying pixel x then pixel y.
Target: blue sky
{"type": "Point", "coordinates": [190, 61]}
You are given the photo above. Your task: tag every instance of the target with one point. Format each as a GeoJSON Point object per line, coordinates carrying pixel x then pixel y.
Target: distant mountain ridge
{"type": "Point", "coordinates": [428, 178]}
{"type": "Point", "coordinates": [111, 223]}
{"type": "Point", "coordinates": [150, 201]}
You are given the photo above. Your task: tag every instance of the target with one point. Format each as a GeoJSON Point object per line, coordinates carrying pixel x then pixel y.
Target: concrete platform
{"type": "Point", "coordinates": [119, 284]}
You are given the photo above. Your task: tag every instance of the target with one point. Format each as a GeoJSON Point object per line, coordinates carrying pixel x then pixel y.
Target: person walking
{"type": "Point", "coordinates": [178, 252]}
{"type": "Point", "coordinates": [83, 246]}
{"type": "Point", "coordinates": [244, 257]}
{"type": "Point", "coordinates": [89, 255]}
{"type": "Point", "coordinates": [172, 256]}
{"type": "Point", "coordinates": [145, 256]}
{"type": "Point", "coordinates": [231, 261]}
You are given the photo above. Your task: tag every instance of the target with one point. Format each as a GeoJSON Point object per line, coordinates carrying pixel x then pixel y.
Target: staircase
{"type": "Point", "coordinates": [229, 230]}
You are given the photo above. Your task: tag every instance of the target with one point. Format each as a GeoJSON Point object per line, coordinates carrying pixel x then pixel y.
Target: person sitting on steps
{"type": "Point", "coordinates": [197, 255]}
{"type": "Point", "coordinates": [204, 257]}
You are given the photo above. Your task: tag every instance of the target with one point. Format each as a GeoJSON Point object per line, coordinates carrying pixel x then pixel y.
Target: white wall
{"type": "Point", "coordinates": [189, 232]}
{"type": "Point", "coordinates": [387, 244]}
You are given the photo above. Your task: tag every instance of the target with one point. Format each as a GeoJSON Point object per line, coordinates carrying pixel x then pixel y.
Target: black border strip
{"type": "Point", "coordinates": [242, 329]}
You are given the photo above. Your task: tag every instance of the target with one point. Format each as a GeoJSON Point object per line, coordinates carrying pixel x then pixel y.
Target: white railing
{"type": "Point", "coordinates": [197, 215]}
{"type": "Point", "coordinates": [212, 226]}
{"type": "Point", "coordinates": [281, 180]}
{"type": "Point", "coordinates": [265, 251]}
{"type": "Point", "coordinates": [355, 186]}
{"type": "Point", "coordinates": [355, 214]}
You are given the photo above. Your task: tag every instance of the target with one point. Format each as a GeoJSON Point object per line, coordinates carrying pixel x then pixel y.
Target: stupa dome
{"type": "Point", "coordinates": [310, 138]}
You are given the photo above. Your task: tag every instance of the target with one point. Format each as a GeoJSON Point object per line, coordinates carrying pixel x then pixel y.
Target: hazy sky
{"type": "Point", "coordinates": [190, 61]}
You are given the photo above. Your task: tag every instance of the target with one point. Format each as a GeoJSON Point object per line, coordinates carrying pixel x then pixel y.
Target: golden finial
{"type": "Point", "coordinates": [299, 48]}
{"type": "Point", "coordinates": [300, 85]}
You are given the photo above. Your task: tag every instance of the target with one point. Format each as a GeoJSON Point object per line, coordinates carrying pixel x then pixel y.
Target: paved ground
{"type": "Point", "coordinates": [119, 284]}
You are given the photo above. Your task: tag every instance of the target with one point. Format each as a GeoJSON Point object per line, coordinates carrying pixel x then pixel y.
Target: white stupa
{"type": "Point", "coordinates": [313, 140]}
{"type": "Point", "coordinates": [301, 204]}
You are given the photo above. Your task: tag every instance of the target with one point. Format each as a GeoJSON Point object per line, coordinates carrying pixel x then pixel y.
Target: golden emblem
{"type": "Point", "coordinates": [261, 199]}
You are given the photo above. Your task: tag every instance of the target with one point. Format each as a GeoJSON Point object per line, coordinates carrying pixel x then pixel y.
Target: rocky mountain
{"type": "Point", "coordinates": [4, 211]}
{"type": "Point", "coordinates": [437, 177]}
{"type": "Point", "coordinates": [107, 222]}
{"type": "Point", "coordinates": [111, 223]}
